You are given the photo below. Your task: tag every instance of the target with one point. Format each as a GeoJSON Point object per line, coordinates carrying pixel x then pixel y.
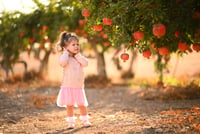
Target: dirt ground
{"type": "Point", "coordinates": [114, 109]}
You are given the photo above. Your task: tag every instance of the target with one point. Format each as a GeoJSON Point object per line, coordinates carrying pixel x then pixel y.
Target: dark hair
{"type": "Point", "coordinates": [65, 39]}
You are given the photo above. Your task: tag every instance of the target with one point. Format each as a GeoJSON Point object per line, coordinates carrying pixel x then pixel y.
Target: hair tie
{"type": "Point", "coordinates": [64, 34]}
{"type": "Point", "coordinates": [67, 36]}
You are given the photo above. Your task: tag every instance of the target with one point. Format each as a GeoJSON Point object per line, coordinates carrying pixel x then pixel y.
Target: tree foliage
{"type": "Point", "coordinates": [129, 16]}
{"type": "Point", "coordinates": [35, 32]}
{"type": "Point", "coordinates": [154, 27]}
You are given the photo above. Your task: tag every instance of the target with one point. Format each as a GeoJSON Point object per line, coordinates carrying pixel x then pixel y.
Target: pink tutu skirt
{"type": "Point", "coordinates": [71, 96]}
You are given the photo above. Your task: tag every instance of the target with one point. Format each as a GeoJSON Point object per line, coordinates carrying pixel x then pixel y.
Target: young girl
{"type": "Point", "coordinates": [72, 91]}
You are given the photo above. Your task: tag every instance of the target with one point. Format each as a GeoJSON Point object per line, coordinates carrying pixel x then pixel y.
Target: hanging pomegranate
{"type": "Point", "coordinates": [86, 13]}
{"type": "Point", "coordinates": [166, 59]}
{"type": "Point", "coordinates": [31, 40]}
{"type": "Point", "coordinates": [101, 34]}
{"type": "Point", "coordinates": [44, 28]}
{"type": "Point", "coordinates": [183, 46]}
{"type": "Point", "coordinates": [105, 36]}
{"type": "Point", "coordinates": [85, 35]}
{"type": "Point", "coordinates": [62, 28]}
{"type": "Point", "coordinates": [106, 44]}
{"type": "Point", "coordinates": [77, 31]}
{"type": "Point", "coordinates": [177, 33]}
{"type": "Point", "coordinates": [153, 46]}
{"type": "Point", "coordinates": [107, 21]}
{"type": "Point", "coordinates": [146, 53]}
{"type": "Point", "coordinates": [138, 35]}
{"type": "Point", "coordinates": [196, 15]}
{"type": "Point", "coordinates": [159, 30]}
{"type": "Point", "coordinates": [22, 34]}
{"type": "Point", "coordinates": [98, 27]}
{"type": "Point", "coordinates": [163, 51]}
{"type": "Point", "coordinates": [124, 56]}
{"type": "Point", "coordinates": [131, 44]}
{"type": "Point", "coordinates": [81, 22]}
{"type": "Point", "coordinates": [196, 47]}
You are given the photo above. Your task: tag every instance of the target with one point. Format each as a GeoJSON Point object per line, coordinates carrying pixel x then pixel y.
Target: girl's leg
{"type": "Point", "coordinates": [84, 116]}
{"type": "Point", "coordinates": [83, 110]}
{"type": "Point", "coordinates": [70, 117]}
{"type": "Point", "coordinates": [70, 110]}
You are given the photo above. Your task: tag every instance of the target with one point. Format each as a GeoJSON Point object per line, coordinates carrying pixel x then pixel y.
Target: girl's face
{"type": "Point", "coordinates": [73, 47]}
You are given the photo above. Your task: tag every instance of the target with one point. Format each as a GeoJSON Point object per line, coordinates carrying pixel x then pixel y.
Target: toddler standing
{"type": "Point", "coordinates": [72, 91]}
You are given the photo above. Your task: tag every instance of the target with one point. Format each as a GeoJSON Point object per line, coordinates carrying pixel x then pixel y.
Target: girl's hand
{"type": "Point", "coordinates": [64, 48]}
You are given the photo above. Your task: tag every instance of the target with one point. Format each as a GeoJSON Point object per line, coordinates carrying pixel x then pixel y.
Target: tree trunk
{"type": "Point", "coordinates": [132, 61]}
{"type": "Point", "coordinates": [101, 65]}
{"type": "Point", "coordinates": [129, 73]}
{"type": "Point", "coordinates": [44, 64]}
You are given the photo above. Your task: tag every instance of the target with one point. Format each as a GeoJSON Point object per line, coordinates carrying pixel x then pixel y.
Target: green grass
{"type": "Point", "coordinates": [172, 81]}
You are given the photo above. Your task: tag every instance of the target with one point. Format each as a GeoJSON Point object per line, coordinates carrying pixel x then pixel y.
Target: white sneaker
{"type": "Point", "coordinates": [71, 125]}
{"type": "Point", "coordinates": [71, 121]}
{"type": "Point", "coordinates": [86, 124]}
{"type": "Point", "coordinates": [85, 120]}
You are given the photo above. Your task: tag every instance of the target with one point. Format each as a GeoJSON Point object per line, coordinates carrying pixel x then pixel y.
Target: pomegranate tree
{"type": "Point", "coordinates": [157, 26]}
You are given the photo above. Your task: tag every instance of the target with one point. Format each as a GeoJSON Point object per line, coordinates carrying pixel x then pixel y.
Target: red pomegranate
{"type": "Point", "coordinates": [183, 46]}
{"type": "Point", "coordinates": [107, 21]}
{"type": "Point", "coordinates": [98, 27]}
{"type": "Point", "coordinates": [153, 46]}
{"type": "Point", "coordinates": [85, 35]}
{"type": "Point", "coordinates": [77, 31]}
{"type": "Point", "coordinates": [106, 44]}
{"type": "Point", "coordinates": [62, 28]}
{"type": "Point", "coordinates": [27, 48]}
{"type": "Point", "coordinates": [22, 34]}
{"type": "Point", "coordinates": [196, 47]}
{"type": "Point", "coordinates": [132, 43]}
{"type": "Point", "coordinates": [44, 28]}
{"type": "Point", "coordinates": [31, 40]}
{"type": "Point", "coordinates": [196, 15]}
{"type": "Point", "coordinates": [163, 51]}
{"type": "Point", "coordinates": [33, 30]}
{"type": "Point", "coordinates": [101, 34]}
{"type": "Point", "coordinates": [105, 36]}
{"type": "Point", "coordinates": [177, 33]}
{"type": "Point", "coordinates": [86, 13]}
{"type": "Point", "coordinates": [103, 4]}
{"type": "Point", "coordinates": [147, 53]}
{"type": "Point", "coordinates": [159, 30]}
{"type": "Point", "coordinates": [166, 59]}
{"type": "Point", "coordinates": [81, 22]}
{"type": "Point", "coordinates": [82, 31]}
{"type": "Point", "coordinates": [124, 57]}
{"type": "Point", "coordinates": [138, 35]}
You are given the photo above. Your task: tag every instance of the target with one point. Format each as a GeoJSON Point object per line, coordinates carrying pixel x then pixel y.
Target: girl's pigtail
{"type": "Point", "coordinates": [61, 42]}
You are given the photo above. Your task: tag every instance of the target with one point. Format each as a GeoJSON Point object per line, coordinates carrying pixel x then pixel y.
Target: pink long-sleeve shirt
{"type": "Point", "coordinates": [73, 75]}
